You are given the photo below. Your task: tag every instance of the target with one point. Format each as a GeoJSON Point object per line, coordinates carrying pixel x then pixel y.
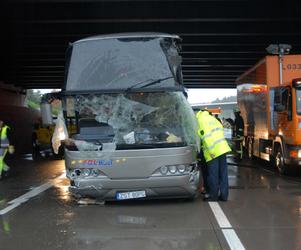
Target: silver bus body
{"type": "Point", "coordinates": [136, 137]}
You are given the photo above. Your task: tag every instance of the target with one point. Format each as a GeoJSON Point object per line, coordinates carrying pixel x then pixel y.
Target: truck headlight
{"type": "Point", "coordinates": [295, 153]}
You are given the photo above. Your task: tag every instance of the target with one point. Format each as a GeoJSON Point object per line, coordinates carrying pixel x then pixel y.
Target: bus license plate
{"type": "Point", "coordinates": [130, 195]}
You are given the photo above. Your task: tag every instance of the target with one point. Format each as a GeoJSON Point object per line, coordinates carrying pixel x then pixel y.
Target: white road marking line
{"type": "Point", "coordinates": [32, 193]}
{"type": "Point", "coordinates": [221, 218]}
{"type": "Point", "coordinates": [7, 209]}
{"type": "Point", "coordinates": [223, 222]}
{"type": "Point", "coordinates": [232, 239]}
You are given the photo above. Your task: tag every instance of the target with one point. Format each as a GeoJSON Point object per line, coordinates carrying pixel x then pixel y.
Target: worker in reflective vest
{"type": "Point", "coordinates": [4, 147]}
{"type": "Point", "coordinates": [215, 148]}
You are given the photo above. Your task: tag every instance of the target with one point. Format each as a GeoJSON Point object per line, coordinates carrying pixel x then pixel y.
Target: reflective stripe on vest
{"type": "Point", "coordinates": [213, 140]}
{"type": "Point", "coordinates": [210, 134]}
{"type": "Point", "coordinates": [3, 135]}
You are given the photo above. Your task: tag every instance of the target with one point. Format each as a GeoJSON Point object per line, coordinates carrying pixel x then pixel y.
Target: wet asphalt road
{"type": "Point", "coordinates": [264, 211]}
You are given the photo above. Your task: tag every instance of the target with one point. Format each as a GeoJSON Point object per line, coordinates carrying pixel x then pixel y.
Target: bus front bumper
{"type": "Point", "coordinates": [154, 187]}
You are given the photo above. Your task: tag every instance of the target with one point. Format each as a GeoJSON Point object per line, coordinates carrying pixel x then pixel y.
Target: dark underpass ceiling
{"type": "Point", "coordinates": [221, 38]}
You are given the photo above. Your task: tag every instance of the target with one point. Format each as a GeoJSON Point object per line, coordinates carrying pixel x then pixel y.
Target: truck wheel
{"type": "Point", "coordinates": [279, 161]}
{"type": "Point", "coordinates": [250, 149]}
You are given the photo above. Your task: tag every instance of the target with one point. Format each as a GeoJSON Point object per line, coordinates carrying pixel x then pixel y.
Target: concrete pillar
{"type": "Point", "coordinates": [20, 118]}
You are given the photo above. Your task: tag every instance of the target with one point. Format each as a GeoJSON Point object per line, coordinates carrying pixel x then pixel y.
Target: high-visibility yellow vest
{"type": "Point", "coordinates": [3, 134]}
{"type": "Point", "coordinates": [211, 132]}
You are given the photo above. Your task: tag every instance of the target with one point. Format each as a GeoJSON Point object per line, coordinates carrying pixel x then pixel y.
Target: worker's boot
{"type": "Point", "coordinates": [5, 171]}
{"type": "Point", "coordinates": [4, 168]}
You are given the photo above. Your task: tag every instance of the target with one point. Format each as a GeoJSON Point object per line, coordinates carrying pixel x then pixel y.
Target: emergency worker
{"type": "Point", "coordinates": [215, 148]}
{"type": "Point", "coordinates": [217, 118]}
{"type": "Point", "coordinates": [238, 124]}
{"type": "Point", "coordinates": [238, 134]}
{"type": "Point", "coordinates": [4, 147]}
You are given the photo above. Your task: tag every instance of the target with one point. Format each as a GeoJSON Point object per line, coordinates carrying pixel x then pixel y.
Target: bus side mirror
{"type": "Point", "coordinates": [46, 112]}
{"type": "Point", "coordinates": [279, 107]}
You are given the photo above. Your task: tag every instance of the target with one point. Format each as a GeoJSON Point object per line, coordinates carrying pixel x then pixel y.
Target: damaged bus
{"type": "Point", "coordinates": [136, 133]}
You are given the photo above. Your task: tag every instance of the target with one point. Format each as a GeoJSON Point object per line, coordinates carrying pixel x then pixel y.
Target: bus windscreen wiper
{"type": "Point", "coordinates": [148, 84]}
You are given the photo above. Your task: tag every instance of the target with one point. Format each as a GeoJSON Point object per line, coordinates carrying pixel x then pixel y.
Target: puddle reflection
{"type": "Point", "coordinates": [141, 225]}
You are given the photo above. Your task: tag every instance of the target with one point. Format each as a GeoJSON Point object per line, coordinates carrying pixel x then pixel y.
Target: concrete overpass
{"type": "Point", "coordinates": [221, 38]}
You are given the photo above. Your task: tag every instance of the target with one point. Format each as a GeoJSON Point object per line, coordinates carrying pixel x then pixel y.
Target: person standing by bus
{"type": "Point", "coordinates": [4, 147]}
{"type": "Point", "coordinates": [215, 148]}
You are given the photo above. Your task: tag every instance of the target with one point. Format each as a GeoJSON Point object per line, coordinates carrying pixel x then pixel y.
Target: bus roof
{"type": "Point", "coordinates": [128, 35]}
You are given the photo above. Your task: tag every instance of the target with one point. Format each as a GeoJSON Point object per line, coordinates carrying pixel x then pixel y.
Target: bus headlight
{"type": "Point", "coordinates": [181, 168]}
{"type": "Point", "coordinates": [95, 172]}
{"type": "Point", "coordinates": [299, 153]}
{"type": "Point", "coordinates": [86, 172]}
{"type": "Point", "coordinates": [172, 169]}
{"type": "Point", "coordinates": [164, 170]}
{"type": "Point", "coordinates": [77, 172]}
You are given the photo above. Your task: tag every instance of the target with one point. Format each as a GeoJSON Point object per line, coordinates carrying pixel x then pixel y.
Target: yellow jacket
{"type": "Point", "coordinates": [211, 132]}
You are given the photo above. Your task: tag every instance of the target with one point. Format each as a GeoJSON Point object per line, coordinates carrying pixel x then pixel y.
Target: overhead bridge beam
{"type": "Point", "coordinates": [159, 20]}
{"type": "Point", "coordinates": [240, 34]}
{"type": "Point", "coordinates": [216, 85]}
{"type": "Point", "coordinates": [215, 66]}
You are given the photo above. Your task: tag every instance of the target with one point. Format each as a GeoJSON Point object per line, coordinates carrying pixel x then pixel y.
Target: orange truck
{"type": "Point", "coordinates": [269, 98]}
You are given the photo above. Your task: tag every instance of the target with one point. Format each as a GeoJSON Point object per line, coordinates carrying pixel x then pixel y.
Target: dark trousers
{"type": "Point", "coordinates": [218, 178]}
{"type": "Point", "coordinates": [205, 176]}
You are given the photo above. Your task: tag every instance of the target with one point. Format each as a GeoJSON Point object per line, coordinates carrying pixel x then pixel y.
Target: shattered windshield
{"type": "Point", "coordinates": [109, 64]}
{"type": "Point", "coordinates": [133, 120]}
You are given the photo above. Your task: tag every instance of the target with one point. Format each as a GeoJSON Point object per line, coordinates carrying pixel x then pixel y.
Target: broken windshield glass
{"type": "Point", "coordinates": [109, 64]}
{"type": "Point", "coordinates": [148, 83]}
{"type": "Point", "coordinates": [133, 120]}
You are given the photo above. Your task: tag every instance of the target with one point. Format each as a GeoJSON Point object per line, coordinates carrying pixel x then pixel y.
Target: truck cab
{"type": "Point", "coordinates": [269, 101]}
